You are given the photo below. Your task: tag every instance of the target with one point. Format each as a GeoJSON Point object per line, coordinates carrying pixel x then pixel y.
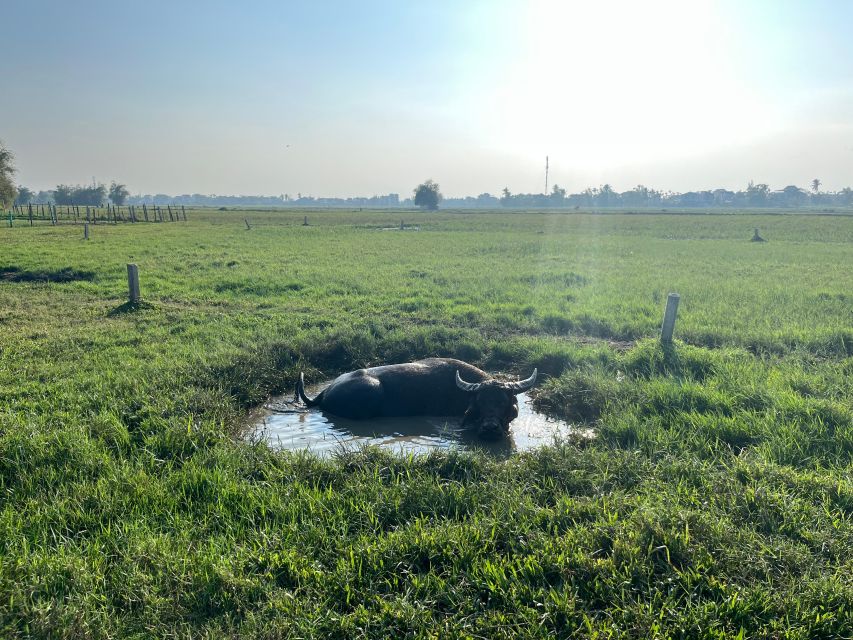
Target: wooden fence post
{"type": "Point", "coordinates": [248, 226]}
{"type": "Point", "coordinates": [669, 315]}
{"type": "Point", "coordinates": [85, 230]}
{"type": "Point", "coordinates": [133, 282]}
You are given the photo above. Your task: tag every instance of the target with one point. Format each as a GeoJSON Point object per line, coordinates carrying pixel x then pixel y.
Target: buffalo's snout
{"type": "Point", "coordinates": [492, 429]}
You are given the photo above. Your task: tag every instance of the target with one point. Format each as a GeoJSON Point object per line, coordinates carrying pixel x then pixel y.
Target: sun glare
{"type": "Point", "coordinates": [620, 82]}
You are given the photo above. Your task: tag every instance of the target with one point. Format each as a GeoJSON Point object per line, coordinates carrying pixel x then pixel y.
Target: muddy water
{"type": "Point", "coordinates": [286, 427]}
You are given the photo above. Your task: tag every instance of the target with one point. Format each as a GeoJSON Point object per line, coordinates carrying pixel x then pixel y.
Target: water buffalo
{"type": "Point", "coordinates": [431, 387]}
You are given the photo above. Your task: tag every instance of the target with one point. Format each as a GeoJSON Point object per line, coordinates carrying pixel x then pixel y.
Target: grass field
{"type": "Point", "coordinates": [715, 501]}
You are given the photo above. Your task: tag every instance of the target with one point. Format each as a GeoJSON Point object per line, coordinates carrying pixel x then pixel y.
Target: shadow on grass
{"type": "Point", "coordinates": [130, 307]}
{"type": "Point", "coordinates": [12, 273]}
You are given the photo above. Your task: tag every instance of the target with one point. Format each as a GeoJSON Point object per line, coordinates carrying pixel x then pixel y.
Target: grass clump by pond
{"type": "Point", "coordinates": [714, 501]}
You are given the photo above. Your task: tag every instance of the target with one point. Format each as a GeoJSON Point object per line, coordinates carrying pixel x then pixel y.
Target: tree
{"type": "Point", "coordinates": [607, 197]}
{"type": "Point", "coordinates": [793, 196]}
{"type": "Point", "coordinates": [816, 186]}
{"type": "Point", "coordinates": [63, 194]}
{"type": "Point", "coordinates": [25, 196]}
{"type": "Point", "coordinates": [93, 196]}
{"type": "Point", "coordinates": [487, 200]}
{"type": "Point", "coordinates": [427, 195]}
{"type": "Point", "coordinates": [558, 195]}
{"type": "Point", "coordinates": [118, 193]}
{"type": "Point", "coordinates": [639, 196]}
{"type": "Point", "coordinates": [7, 187]}
{"type": "Point", "coordinates": [756, 194]}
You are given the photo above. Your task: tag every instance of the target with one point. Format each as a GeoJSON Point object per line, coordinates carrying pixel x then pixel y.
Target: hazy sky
{"type": "Point", "coordinates": [365, 97]}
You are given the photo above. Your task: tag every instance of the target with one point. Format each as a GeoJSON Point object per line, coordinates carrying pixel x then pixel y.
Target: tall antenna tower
{"type": "Point", "coordinates": [546, 175]}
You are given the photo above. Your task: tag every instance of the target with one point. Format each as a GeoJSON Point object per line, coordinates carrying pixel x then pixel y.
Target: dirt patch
{"type": "Point", "coordinates": [66, 274]}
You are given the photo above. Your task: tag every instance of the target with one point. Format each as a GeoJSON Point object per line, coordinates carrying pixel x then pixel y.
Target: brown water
{"type": "Point", "coordinates": [286, 427]}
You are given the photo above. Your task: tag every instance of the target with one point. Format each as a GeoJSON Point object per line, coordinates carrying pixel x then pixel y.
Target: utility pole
{"type": "Point", "coordinates": [546, 175]}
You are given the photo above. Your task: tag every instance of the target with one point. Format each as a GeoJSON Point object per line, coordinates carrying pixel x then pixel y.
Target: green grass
{"type": "Point", "coordinates": [715, 500]}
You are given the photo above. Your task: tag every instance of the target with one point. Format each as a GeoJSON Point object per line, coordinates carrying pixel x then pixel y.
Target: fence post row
{"type": "Point", "coordinates": [110, 213]}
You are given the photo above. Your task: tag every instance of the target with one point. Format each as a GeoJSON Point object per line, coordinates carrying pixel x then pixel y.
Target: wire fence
{"type": "Point", "coordinates": [80, 214]}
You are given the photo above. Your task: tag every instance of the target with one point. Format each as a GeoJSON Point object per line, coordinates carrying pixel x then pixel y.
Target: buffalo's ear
{"type": "Point", "coordinates": [513, 411]}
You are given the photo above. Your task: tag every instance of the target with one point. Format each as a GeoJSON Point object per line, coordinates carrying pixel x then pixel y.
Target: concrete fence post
{"type": "Point", "coordinates": [669, 315]}
{"type": "Point", "coordinates": [133, 282]}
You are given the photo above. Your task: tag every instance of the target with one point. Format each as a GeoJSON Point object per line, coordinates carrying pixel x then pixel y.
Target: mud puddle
{"type": "Point", "coordinates": [286, 427]}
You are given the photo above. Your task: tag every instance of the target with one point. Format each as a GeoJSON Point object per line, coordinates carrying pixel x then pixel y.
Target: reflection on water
{"type": "Point", "coordinates": [284, 427]}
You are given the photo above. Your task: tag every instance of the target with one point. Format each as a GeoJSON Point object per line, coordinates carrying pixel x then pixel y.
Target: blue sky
{"type": "Point", "coordinates": [358, 98]}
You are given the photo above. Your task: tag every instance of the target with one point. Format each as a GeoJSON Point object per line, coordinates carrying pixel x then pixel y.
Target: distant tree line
{"type": "Point", "coordinates": [754, 195]}
{"type": "Point", "coordinates": [95, 195]}
{"type": "Point", "coordinates": [64, 194]}
{"type": "Point", "coordinates": [283, 200]}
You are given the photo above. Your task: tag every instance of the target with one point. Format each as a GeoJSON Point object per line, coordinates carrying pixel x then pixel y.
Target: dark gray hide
{"type": "Point", "coordinates": [431, 387]}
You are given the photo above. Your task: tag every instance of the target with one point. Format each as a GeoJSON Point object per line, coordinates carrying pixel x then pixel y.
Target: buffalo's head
{"type": "Point", "coordinates": [493, 404]}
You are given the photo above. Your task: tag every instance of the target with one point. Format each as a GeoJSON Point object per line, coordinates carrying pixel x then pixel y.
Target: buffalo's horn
{"type": "Point", "coordinates": [467, 386]}
{"type": "Point", "coordinates": [521, 385]}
